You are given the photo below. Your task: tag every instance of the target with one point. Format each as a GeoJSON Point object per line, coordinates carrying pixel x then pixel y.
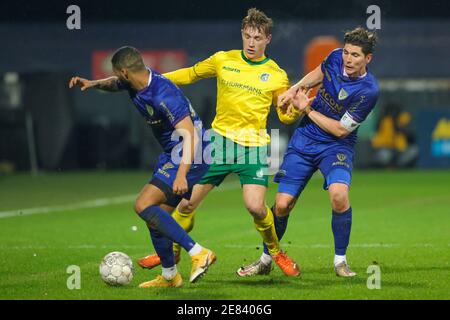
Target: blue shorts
{"type": "Point", "coordinates": [333, 159]}
{"type": "Point", "coordinates": [165, 173]}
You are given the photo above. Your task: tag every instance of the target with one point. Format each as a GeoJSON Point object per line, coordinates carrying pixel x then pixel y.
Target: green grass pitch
{"type": "Point", "coordinates": [401, 223]}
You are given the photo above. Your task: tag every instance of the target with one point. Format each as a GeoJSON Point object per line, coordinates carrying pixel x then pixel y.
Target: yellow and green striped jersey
{"type": "Point", "coordinates": [245, 92]}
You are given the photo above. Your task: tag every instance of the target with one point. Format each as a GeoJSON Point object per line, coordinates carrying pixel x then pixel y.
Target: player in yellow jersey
{"type": "Point", "coordinates": [248, 84]}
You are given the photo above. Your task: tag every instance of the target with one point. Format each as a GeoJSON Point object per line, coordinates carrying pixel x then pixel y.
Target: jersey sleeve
{"type": "Point", "coordinates": [201, 70]}
{"type": "Point", "coordinates": [174, 106]}
{"type": "Point", "coordinates": [288, 118]}
{"type": "Point", "coordinates": [331, 59]}
{"type": "Point", "coordinates": [360, 107]}
{"type": "Point", "coordinates": [283, 86]}
{"type": "Point", "coordinates": [282, 115]}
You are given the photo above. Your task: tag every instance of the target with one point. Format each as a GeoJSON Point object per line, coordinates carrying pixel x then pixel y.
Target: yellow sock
{"type": "Point", "coordinates": [186, 221]}
{"type": "Point", "coordinates": [266, 228]}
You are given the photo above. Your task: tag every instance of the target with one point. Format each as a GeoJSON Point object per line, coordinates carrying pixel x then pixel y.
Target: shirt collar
{"type": "Point", "coordinates": [149, 77]}
{"type": "Point", "coordinates": [359, 77]}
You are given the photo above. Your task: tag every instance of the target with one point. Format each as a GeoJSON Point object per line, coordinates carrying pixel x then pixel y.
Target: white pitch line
{"type": "Point", "coordinates": [75, 206]}
{"type": "Point", "coordinates": [308, 246]}
{"type": "Point", "coordinates": [356, 245]}
{"type": "Point", "coordinates": [101, 202]}
{"type": "Point", "coordinates": [321, 245]}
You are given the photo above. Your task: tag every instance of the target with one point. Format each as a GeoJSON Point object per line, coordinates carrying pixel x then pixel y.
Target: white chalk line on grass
{"type": "Point", "coordinates": [306, 246]}
{"type": "Point", "coordinates": [69, 207]}
{"type": "Point", "coordinates": [101, 202]}
{"type": "Point", "coordinates": [317, 245]}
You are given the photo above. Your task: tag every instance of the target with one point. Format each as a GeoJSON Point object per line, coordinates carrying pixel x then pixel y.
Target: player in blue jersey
{"type": "Point", "coordinates": [325, 138]}
{"type": "Point", "coordinates": [169, 113]}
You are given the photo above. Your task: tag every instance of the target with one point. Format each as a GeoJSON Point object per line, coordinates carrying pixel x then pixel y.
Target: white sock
{"type": "Point", "coordinates": [169, 273]}
{"type": "Point", "coordinates": [196, 249]}
{"type": "Point", "coordinates": [338, 259]}
{"type": "Point", "coordinates": [265, 258]}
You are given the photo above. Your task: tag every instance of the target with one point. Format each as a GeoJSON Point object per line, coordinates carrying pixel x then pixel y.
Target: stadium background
{"type": "Point", "coordinates": [73, 130]}
{"type": "Point", "coordinates": [71, 163]}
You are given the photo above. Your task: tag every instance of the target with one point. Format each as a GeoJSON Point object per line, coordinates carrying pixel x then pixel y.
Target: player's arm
{"type": "Point", "coordinates": [186, 130]}
{"type": "Point", "coordinates": [339, 129]}
{"type": "Point", "coordinates": [286, 113]}
{"type": "Point", "coordinates": [201, 70]}
{"type": "Point", "coordinates": [107, 84]}
{"type": "Point", "coordinates": [309, 81]}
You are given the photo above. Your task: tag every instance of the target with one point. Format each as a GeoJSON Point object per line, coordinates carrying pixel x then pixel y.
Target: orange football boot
{"type": "Point", "coordinates": [153, 260]}
{"type": "Point", "coordinates": [286, 264]}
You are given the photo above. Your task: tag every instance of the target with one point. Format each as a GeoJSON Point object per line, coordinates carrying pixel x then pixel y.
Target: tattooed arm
{"type": "Point", "coordinates": [108, 84]}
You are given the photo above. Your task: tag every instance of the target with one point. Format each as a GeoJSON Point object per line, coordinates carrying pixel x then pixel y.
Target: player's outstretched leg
{"type": "Point", "coordinates": [263, 266]}
{"type": "Point", "coordinates": [170, 276]}
{"type": "Point", "coordinates": [341, 224]}
{"type": "Point", "coordinates": [163, 222]}
{"type": "Point", "coordinates": [267, 230]}
{"type": "Point", "coordinates": [184, 214]}
{"type": "Point", "coordinates": [153, 260]}
{"type": "Point", "coordinates": [202, 258]}
{"type": "Point", "coordinates": [186, 221]}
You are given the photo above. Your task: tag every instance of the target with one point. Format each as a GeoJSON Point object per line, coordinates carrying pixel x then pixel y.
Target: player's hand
{"type": "Point", "coordinates": [286, 97]}
{"type": "Point", "coordinates": [302, 99]}
{"type": "Point", "coordinates": [81, 82]}
{"type": "Point", "coordinates": [180, 185]}
{"type": "Point", "coordinates": [290, 110]}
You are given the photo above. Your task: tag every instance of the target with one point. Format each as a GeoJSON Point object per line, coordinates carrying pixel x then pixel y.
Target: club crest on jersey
{"type": "Point", "coordinates": [149, 109]}
{"type": "Point", "coordinates": [264, 77]}
{"type": "Point", "coordinates": [342, 94]}
{"type": "Point", "coordinates": [341, 156]}
{"type": "Point", "coordinates": [282, 173]}
{"type": "Point", "coordinates": [260, 173]}
{"type": "Point", "coordinates": [168, 166]}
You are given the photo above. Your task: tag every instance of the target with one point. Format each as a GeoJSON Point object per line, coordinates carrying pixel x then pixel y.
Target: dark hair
{"type": "Point", "coordinates": [127, 58]}
{"type": "Point", "coordinates": [363, 38]}
{"type": "Point", "coordinates": [258, 20]}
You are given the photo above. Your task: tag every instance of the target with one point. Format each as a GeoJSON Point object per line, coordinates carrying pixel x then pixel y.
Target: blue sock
{"type": "Point", "coordinates": [280, 228]}
{"type": "Point", "coordinates": [163, 247]}
{"type": "Point", "coordinates": [341, 223]}
{"type": "Point", "coordinates": [162, 221]}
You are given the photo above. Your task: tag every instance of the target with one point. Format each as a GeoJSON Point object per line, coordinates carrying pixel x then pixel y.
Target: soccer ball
{"type": "Point", "coordinates": [116, 269]}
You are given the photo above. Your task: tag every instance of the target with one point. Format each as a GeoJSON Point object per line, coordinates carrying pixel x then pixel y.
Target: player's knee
{"type": "Point", "coordinates": [186, 206]}
{"type": "Point", "coordinates": [283, 207]}
{"type": "Point", "coordinates": [140, 205]}
{"type": "Point", "coordinates": [339, 201]}
{"type": "Point", "coordinates": [257, 210]}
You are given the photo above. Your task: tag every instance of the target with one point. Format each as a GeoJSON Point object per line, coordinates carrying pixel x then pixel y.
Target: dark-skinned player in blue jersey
{"type": "Point", "coordinates": [170, 114]}
{"type": "Point", "coordinates": [325, 139]}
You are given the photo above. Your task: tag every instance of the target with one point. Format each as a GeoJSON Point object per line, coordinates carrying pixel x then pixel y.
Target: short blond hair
{"type": "Point", "coordinates": [258, 20]}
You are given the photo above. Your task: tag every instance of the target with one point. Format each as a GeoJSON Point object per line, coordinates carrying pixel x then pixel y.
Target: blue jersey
{"type": "Point", "coordinates": [340, 95]}
{"type": "Point", "coordinates": [163, 105]}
